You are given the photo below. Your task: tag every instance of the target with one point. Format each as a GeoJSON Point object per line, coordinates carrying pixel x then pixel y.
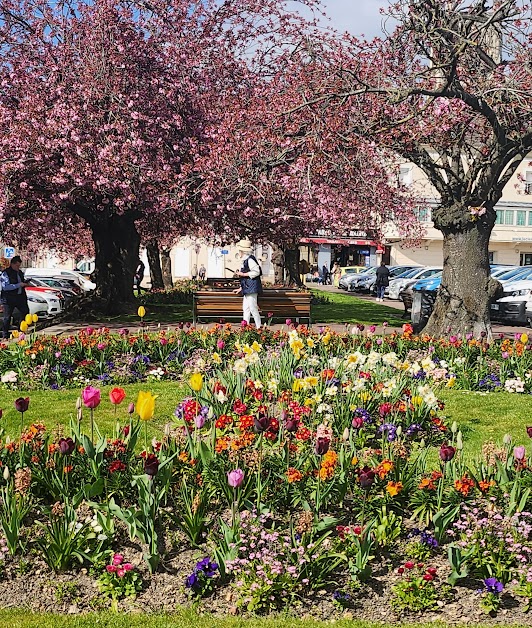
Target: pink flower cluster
{"type": "Point", "coordinates": [118, 566]}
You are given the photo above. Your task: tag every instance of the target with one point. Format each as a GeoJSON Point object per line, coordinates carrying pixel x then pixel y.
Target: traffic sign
{"type": "Point", "coordinates": [224, 251]}
{"type": "Point", "coordinates": [9, 252]}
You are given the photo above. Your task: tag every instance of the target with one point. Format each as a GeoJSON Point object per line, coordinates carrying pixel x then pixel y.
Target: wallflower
{"type": "Point", "coordinates": [293, 475]}
{"type": "Point", "coordinates": [464, 485]}
{"type": "Point", "coordinates": [384, 468]}
{"type": "Point", "coordinates": [328, 465]}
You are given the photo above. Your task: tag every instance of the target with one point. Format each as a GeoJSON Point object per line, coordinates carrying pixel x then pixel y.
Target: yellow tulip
{"type": "Point", "coordinates": [141, 311]}
{"type": "Point", "coordinates": [34, 318]}
{"type": "Point", "coordinates": [23, 327]}
{"type": "Point", "coordinates": [524, 338]}
{"type": "Point", "coordinates": [145, 405]}
{"type": "Point", "coordinates": [196, 381]}
{"type": "Point", "coordinates": [29, 319]}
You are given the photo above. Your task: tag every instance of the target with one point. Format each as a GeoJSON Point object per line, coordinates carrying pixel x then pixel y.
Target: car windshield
{"type": "Point", "coordinates": [428, 273]}
{"type": "Point", "coordinates": [408, 273]}
{"type": "Point", "coordinates": [514, 273]}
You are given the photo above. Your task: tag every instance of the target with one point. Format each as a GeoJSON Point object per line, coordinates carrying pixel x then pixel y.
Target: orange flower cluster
{"type": "Point", "coordinates": [246, 422]}
{"type": "Point", "coordinates": [223, 421]}
{"type": "Point", "coordinates": [35, 430]}
{"type": "Point", "coordinates": [430, 482]}
{"type": "Point", "coordinates": [464, 485]}
{"type": "Point", "coordinates": [328, 465]}
{"type": "Point", "coordinates": [394, 488]}
{"type": "Point", "coordinates": [484, 485]}
{"type": "Point", "coordinates": [384, 468]}
{"type": "Point", "coordinates": [293, 475]}
{"type": "Point", "coordinates": [226, 442]}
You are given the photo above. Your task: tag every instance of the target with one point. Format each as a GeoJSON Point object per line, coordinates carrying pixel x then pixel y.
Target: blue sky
{"type": "Point", "coordinates": [356, 16]}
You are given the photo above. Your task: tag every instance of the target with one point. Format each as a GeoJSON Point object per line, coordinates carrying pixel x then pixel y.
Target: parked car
{"type": "Point", "coordinates": [54, 301]}
{"type": "Point", "coordinates": [368, 285]}
{"type": "Point", "coordinates": [68, 294]}
{"type": "Point", "coordinates": [512, 307]}
{"type": "Point", "coordinates": [84, 283]}
{"type": "Point", "coordinates": [354, 280]}
{"type": "Point", "coordinates": [397, 284]}
{"type": "Point", "coordinates": [348, 272]}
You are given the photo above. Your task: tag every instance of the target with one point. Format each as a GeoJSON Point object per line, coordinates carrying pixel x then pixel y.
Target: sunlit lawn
{"type": "Point", "coordinates": [481, 416]}
{"type": "Point", "coordinates": [20, 619]}
{"type": "Point", "coordinates": [340, 308]}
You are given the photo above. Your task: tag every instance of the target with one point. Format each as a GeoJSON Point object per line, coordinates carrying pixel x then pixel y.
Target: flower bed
{"type": "Point", "coordinates": [312, 472]}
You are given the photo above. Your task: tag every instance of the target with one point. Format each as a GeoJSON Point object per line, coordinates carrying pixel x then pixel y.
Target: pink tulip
{"type": "Point", "coordinates": [220, 344]}
{"type": "Point", "coordinates": [91, 397]}
{"type": "Point", "coordinates": [235, 478]}
{"type": "Point", "coordinates": [519, 452]}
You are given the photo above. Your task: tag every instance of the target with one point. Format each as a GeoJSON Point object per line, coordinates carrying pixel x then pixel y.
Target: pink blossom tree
{"type": "Point", "coordinates": [104, 108]}
{"type": "Point", "coordinates": [450, 91]}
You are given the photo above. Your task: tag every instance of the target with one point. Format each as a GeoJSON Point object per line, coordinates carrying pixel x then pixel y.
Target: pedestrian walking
{"type": "Point", "coordinates": [13, 293]}
{"type": "Point", "coordinates": [250, 283]}
{"type": "Point", "coordinates": [139, 276]}
{"type": "Point", "coordinates": [202, 272]}
{"type": "Point", "coordinates": [382, 281]}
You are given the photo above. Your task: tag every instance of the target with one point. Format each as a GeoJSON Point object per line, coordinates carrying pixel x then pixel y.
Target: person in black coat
{"type": "Point", "coordinates": [383, 280]}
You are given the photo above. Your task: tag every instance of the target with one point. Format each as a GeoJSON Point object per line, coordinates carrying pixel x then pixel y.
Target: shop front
{"type": "Point", "coordinates": [355, 249]}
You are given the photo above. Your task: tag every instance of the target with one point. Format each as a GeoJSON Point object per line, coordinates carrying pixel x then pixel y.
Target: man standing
{"type": "Point", "coordinates": [250, 282]}
{"type": "Point", "coordinates": [13, 294]}
{"type": "Point", "coordinates": [382, 281]}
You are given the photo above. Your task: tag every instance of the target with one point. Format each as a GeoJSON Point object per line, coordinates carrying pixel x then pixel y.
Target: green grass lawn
{"type": "Point", "coordinates": [20, 619]}
{"type": "Point", "coordinates": [481, 416]}
{"type": "Point", "coordinates": [57, 407]}
{"type": "Point", "coordinates": [340, 308]}
{"type": "Point", "coordinates": [345, 308]}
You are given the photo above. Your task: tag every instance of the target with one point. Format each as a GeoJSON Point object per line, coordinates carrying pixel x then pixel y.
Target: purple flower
{"type": "Point", "coordinates": [493, 585]}
{"type": "Point", "coordinates": [322, 446]}
{"type": "Point", "coordinates": [261, 423]}
{"type": "Point", "coordinates": [66, 446]}
{"type": "Point", "coordinates": [192, 581]}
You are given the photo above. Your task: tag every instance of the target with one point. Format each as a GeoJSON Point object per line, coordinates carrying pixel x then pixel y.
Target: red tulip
{"type": "Point", "coordinates": [151, 465]}
{"type": "Point", "coordinates": [529, 431]}
{"type": "Point", "coordinates": [322, 446]}
{"type": "Point", "coordinates": [117, 395]}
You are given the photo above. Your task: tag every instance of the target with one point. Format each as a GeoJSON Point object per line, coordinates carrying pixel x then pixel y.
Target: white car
{"type": "Point", "coordinates": [84, 283]}
{"type": "Point", "coordinates": [516, 301]}
{"type": "Point", "coordinates": [412, 276]}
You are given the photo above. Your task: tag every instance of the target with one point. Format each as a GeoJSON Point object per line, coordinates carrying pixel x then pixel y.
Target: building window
{"type": "Point", "coordinates": [530, 219]}
{"type": "Point", "coordinates": [526, 259]}
{"type": "Point", "coordinates": [509, 217]}
{"type": "Point", "coordinates": [521, 218]}
{"type": "Point", "coordinates": [491, 257]}
{"type": "Point", "coordinates": [500, 217]}
{"type": "Point", "coordinates": [423, 214]}
{"type": "Point", "coordinates": [528, 182]}
{"type": "Point", "coordinates": [405, 175]}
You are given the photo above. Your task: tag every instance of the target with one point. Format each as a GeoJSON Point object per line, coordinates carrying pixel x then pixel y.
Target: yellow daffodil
{"type": "Point", "coordinates": [416, 401]}
{"type": "Point", "coordinates": [34, 318]}
{"type": "Point", "coordinates": [256, 346]}
{"type": "Point", "coordinates": [145, 405]}
{"type": "Point", "coordinates": [310, 343]}
{"type": "Point", "coordinates": [23, 327]}
{"type": "Point", "coordinates": [297, 385]}
{"type": "Point", "coordinates": [29, 319]}
{"type": "Point", "coordinates": [311, 380]}
{"type": "Point", "coordinates": [365, 396]}
{"type": "Point", "coordinates": [326, 339]}
{"type": "Point", "coordinates": [216, 358]}
{"type": "Point", "coordinates": [141, 311]}
{"type": "Point", "coordinates": [451, 382]}
{"type": "Point", "coordinates": [196, 382]}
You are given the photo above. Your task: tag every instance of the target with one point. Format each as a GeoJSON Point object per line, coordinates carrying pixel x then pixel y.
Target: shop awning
{"type": "Point", "coordinates": [341, 241]}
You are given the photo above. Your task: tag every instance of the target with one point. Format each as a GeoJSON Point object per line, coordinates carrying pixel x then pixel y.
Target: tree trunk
{"type": "Point", "coordinates": [116, 249]}
{"type": "Point", "coordinates": [291, 258]}
{"type": "Point", "coordinates": [462, 304]}
{"type": "Point", "coordinates": [166, 267]}
{"type": "Point", "coordinates": [278, 264]}
{"type": "Point", "coordinates": [154, 260]}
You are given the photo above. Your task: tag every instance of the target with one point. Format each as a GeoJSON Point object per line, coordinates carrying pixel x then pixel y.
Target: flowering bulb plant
{"type": "Point", "coordinates": [416, 589]}
{"type": "Point", "coordinates": [120, 579]}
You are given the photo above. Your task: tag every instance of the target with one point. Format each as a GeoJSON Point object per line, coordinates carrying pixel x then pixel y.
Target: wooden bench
{"type": "Point", "coordinates": [279, 302]}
